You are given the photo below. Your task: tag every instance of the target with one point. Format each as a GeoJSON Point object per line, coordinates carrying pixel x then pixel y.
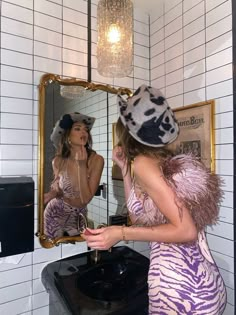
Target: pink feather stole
{"type": "Point", "coordinates": [196, 188]}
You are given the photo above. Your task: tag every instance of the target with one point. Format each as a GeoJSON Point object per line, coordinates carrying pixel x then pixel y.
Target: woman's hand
{"type": "Point", "coordinates": [118, 156]}
{"type": "Point", "coordinates": [103, 238]}
{"type": "Point", "coordinates": [81, 155]}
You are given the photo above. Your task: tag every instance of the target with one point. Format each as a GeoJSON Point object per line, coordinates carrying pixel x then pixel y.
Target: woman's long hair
{"type": "Point", "coordinates": [133, 148]}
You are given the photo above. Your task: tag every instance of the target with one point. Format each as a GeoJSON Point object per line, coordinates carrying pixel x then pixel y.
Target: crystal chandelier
{"type": "Point", "coordinates": [115, 38]}
{"type": "Point", "coordinates": [71, 91]}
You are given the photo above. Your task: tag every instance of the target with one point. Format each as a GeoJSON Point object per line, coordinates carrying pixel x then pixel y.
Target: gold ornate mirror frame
{"type": "Point", "coordinates": [47, 79]}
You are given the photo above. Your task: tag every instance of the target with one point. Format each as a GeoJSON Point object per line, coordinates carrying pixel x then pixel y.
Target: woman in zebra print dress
{"type": "Point", "coordinates": [171, 199]}
{"type": "Point", "coordinates": [77, 170]}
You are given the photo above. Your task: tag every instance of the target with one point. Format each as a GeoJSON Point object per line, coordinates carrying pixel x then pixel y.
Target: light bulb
{"type": "Point", "coordinates": [113, 35]}
{"type": "Point", "coordinates": [115, 38]}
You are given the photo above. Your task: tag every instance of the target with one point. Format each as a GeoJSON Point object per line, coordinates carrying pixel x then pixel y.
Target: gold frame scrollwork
{"type": "Point", "coordinates": [46, 79]}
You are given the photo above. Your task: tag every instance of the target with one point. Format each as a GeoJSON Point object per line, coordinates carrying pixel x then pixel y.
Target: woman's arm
{"type": "Point", "coordinates": [88, 186]}
{"type": "Point", "coordinates": [179, 229]}
{"type": "Point", "coordinates": [54, 188]}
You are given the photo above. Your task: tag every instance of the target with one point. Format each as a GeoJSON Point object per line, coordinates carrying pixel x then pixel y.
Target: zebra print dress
{"type": "Point", "coordinates": [60, 218]}
{"type": "Point", "coordinates": [183, 278]}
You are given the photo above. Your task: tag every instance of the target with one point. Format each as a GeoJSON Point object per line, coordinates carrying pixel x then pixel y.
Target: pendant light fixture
{"type": "Point", "coordinates": [72, 91]}
{"type": "Point", "coordinates": [115, 38]}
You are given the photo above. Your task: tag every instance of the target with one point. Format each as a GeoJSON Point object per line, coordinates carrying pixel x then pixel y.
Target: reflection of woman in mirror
{"type": "Point", "coordinates": [77, 173]}
{"type": "Point", "coordinates": [171, 200]}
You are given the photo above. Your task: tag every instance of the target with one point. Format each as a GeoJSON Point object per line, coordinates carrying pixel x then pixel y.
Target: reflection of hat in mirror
{"type": "Point", "coordinates": [66, 122]}
{"type": "Point", "coordinates": [148, 117]}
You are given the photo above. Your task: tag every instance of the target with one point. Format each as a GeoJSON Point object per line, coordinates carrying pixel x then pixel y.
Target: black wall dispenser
{"type": "Point", "coordinates": [16, 215]}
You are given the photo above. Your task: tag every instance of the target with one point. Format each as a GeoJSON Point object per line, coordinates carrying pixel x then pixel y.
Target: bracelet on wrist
{"type": "Point", "coordinates": [123, 233]}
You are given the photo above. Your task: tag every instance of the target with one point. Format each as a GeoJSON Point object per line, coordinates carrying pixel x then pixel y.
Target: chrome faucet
{"type": "Point", "coordinates": [85, 225]}
{"type": "Point", "coordinates": [101, 225]}
{"type": "Point", "coordinates": [96, 255]}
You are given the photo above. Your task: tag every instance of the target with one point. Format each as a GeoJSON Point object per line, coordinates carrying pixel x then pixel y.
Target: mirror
{"type": "Point", "coordinates": [93, 100]}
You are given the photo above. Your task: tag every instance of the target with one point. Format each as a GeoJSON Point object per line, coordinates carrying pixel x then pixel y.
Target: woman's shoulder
{"type": "Point", "coordinates": [141, 161]}
{"type": "Point", "coordinates": [144, 159]}
{"type": "Point", "coordinates": [146, 166]}
{"type": "Point", "coordinates": [96, 158]}
{"type": "Point", "coordinates": [57, 162]}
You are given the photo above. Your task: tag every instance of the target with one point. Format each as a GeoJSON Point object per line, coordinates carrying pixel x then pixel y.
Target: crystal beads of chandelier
{"type": "Point", "coordinates": [115, 38]}
{"type": "Point", "coordinates": [71, 91]}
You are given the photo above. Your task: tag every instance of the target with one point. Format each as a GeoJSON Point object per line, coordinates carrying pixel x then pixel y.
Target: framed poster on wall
{"type": "Point", "coordinates": [196, 124]}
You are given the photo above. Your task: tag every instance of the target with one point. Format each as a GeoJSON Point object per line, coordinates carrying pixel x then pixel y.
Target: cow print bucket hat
{"type": "Point", "coordinates": [66, 122]}
{"type": "Point", "coordinates": [148, 117]}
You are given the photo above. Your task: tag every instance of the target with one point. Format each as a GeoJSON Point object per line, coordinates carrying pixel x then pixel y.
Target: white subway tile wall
{"type": "Point", "coordinates": [197, 68]}
{"type": "Point", "coordinates": [38, 37]}
{"type": "Point", "coordinates": [189, 45]}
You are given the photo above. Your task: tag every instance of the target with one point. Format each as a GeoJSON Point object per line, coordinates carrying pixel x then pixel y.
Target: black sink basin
{"type": "Point", "coordinates": [113, 281]}
{"type": "Point", "coordinates": [116, 285]}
